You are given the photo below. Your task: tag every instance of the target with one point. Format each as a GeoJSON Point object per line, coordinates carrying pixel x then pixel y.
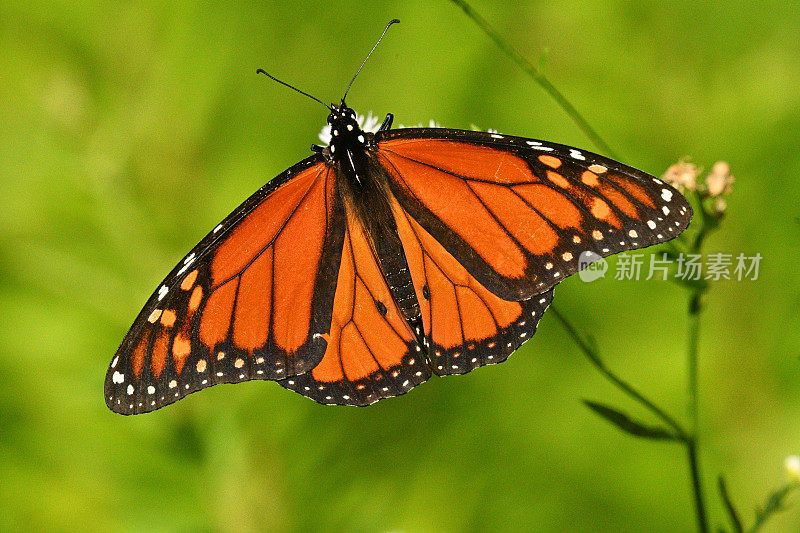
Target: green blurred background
{"type": "Point", "coordinates": [129, 129]}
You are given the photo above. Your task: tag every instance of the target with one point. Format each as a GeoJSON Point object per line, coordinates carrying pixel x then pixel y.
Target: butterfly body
{"type": "Point", "coordinates": [362, 189]}
{"type": "Point", "coordinates": [383, 258]}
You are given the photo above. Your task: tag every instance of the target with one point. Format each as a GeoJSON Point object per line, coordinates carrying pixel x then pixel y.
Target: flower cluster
{"type": "Point", "coordinates": [685, 176]}
{"type": "Point", "coordinates": [682, 175]}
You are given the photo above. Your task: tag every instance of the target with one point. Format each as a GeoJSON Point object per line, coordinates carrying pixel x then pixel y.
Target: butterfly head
{"type": "Point", "coordinates": [346, 133]}
{"type": "Point", "coordinates": [343, 121]}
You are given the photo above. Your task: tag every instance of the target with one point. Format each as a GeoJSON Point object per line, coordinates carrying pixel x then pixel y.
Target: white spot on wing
{"type": "Point", "coordinates": [666, 194]}
{"type": "Point", "coordinates": [162, 291]}
{"type": "Point", "coordinates": [536, 145]}
{"type": "Point", "coordinates": [575, 154]}
{"type": "Point", "coordinates": [186, 263]}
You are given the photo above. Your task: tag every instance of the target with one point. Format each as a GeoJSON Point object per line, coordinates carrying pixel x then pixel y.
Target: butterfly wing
{"type": "Point", "coordinates": [516, 213]}
{"type": "Point", "coordinates": [371, 351]}
{"type": "Point", "coordinates": [466, 325]}
{"type": "Point", "coordinates": [253, 300]}
{"type": "Point", "coordinates": [289, 286]}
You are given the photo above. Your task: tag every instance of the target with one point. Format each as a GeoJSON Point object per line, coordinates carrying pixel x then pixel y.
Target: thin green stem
{"type": "Point", "coordinates": [733, 514]}
{"type": "Point", "coordinates": [708, 223]}
{"type": "Point", "coordinates": [627, 388]}
{"type": "Point", "coordinates": [538, 77]}
{"type": "Point", "coordinates": [697, 488]}
{"type": "Point", "coordinates": [692, 441]}
{"type": "Point", "coordinates": [692, 363]}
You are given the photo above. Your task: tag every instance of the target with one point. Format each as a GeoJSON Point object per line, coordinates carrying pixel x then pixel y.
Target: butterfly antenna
{"type": "Point", "coordinates": [393, 21]}
{"type": "Point", "coordinates": [270, 76]}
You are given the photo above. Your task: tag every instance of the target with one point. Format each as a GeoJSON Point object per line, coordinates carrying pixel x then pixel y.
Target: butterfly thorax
{"type": "Point", "coordinates": [360, 182]}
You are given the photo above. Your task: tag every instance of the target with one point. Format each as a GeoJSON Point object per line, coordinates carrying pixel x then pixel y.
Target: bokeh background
{"type": "Point", "coordinates": [129, 129]}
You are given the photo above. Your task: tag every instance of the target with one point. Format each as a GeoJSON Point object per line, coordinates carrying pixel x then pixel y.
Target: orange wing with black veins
{"type": "Point", "coordinates": [466, 325]}
{"type": "Point", "coordinates": [253, 300]}
{"type": "Point", "coordinates": [518, 214]}
{"type": "Point", "coordinates": [372, 352]}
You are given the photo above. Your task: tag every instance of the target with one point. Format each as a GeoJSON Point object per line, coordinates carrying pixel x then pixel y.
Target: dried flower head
{"type": "Point", "coordinates": [719, 180]}
{"type": "Point", "coordinates": [682, 175]}
{"type": "Point", "coordinates": [719, 206]}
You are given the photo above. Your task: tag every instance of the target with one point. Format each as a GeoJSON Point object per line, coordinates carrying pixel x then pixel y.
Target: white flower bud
{"type": "Point", "coordinates": [792, 466]}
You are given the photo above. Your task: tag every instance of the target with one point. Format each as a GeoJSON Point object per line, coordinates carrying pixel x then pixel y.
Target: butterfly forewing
{"type": "Point", "coordinates": [520, 214]}
{"type": "Point", "coordinates": [234, 310]}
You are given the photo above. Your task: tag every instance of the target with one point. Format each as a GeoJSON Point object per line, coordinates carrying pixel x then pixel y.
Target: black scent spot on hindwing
{"type": "Point", "coordinates": [426, 292]}
{"type": "Point", "coordinates": [381, 307]}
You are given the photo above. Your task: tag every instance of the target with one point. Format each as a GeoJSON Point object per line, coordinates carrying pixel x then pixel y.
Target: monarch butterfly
{"type": "Point", "coordinates": [382, 258]}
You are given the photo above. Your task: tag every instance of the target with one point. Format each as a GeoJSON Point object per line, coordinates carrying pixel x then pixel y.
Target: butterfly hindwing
{"type": "Point", "coordinates": [253, 300]}
{"type": "Point", "coordinates": [371, 351]}
{"type": "Point", "coordinates": [518, 214]}
{"type": "Point", "coordinates": [466, 325]}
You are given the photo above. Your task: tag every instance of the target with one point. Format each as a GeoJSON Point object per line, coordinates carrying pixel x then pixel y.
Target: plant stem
{"type": "Point", "coordinates": [538, 77]}
{"type": "Point", "coordinates": [695, 307]}
{"type": "Point", "coordinates": [694, 337]}
{"type": "Point", "coordinates": [697, 488]}
{"type": "Point", "coordinates": [692, 441]}
{"type": "Point", "coordinates": [733, 515]}
{"type": "Point", "coordinates": [627, 388]}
